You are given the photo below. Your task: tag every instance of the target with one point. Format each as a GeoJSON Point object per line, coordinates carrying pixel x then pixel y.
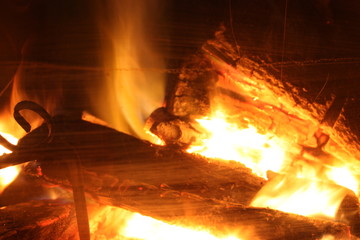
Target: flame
{"type": "Point", "coordinates": [343, 176]}
{"type": "Point", "coordinates": [134, 85]}
{"type": "Point", "coordinates": [8, 175]}
{"type": "Point", "coordinates": [309, 188]}
{"type": "Point", "coordinates": [109, 222]}
{"type": "Point", "coordinates": [300, 196]}
{"type": "Point", "coordinates": [305, 184]}
{"type": "Point", "coordinates": [227, 141]}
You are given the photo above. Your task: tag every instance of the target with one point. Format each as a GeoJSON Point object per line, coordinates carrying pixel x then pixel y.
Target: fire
{"type": "Point", "coordinates": [301, 196]}
{"type": "Point", "coordinates": [227, 141]}
{"type": "Point", "coordinates": [8, 175]}
{"type": "Point", "coordinates": [115, 223]}
{"type": "Point", "coordinates": [302, 184]}
{"type": "Point", "coordinates": [343, 176]}
{"type": "Point", "coordinates": [135, 81]}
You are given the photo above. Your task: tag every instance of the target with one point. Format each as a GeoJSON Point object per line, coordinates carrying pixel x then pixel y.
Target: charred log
{"type": "Point", "coordinates": [38, 220]}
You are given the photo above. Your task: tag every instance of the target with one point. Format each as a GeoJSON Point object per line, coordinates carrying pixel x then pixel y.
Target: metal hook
{"type": "Point", "coordinates": [29, 105]}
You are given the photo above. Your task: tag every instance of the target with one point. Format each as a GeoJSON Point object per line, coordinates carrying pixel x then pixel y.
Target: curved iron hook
{"type": "Point", "coordinates": [29, 105]}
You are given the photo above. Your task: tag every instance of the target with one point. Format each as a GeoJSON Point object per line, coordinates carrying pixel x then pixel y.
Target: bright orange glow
{"type": "Point", "coordinates": [328, 237]}
{"type": "Point", "coordinates": [155, 139]}
{"type": "Point", "coordinates": [116, 223]}
{"type": "Point", "coordinates": [8, 175]}
{"type": "Point", "coordinates": [227, 141]}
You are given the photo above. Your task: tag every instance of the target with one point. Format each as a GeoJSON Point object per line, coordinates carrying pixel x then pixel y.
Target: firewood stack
{"type": "Point", "coordinates": [165, 182]}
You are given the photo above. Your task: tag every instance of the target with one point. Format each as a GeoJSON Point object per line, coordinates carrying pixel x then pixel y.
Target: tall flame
{"type": "Point", "coordinates": [135, 83]}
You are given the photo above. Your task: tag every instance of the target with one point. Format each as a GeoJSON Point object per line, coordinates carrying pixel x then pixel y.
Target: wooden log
{"type": "Point", "coordinates": [42, 220]}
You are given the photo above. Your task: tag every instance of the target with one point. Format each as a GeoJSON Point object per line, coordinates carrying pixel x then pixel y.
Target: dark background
{"type": "Point", "coordinates": [318, 45]}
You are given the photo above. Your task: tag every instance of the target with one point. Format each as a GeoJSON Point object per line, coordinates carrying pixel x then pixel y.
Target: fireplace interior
{"type": "Point", "coordinates": [158, 120]}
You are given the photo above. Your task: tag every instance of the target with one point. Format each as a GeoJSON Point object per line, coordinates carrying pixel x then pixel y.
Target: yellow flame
{"type": "Point", "coordinates": [8, 175]}
{"type": "Point", "coordinates": [116, 223]}
{"type": "Point", "coordinates": [225, 140]}
{"type": "Point", "coordinates": [328, 237]}
{"type": "Point", "coordinates": [300, 196]}
{"type": "Point", "coordinates": [343, 176]}
{"type": "Point", "coordinates": [134, 85]}
{"type": "Point", "coordinates": [309, 185]}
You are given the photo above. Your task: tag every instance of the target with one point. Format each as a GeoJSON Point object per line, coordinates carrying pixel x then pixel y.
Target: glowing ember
{"type": "Point", "coordinates": [7, 175]}
{"type": "Point", "coordinates": [328, 237]}
{"type": "Point", "coordinates": [226, 141]}
{"type": "Point", "coordinates": [155, 139]}
{"type": "Point", "coordinates": [116, 223]}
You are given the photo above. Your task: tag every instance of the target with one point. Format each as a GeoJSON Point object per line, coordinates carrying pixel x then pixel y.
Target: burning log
{"type": "Point", "coordinates": [248, 95]}
{"type": "Point", "coordinates": [160, 182]}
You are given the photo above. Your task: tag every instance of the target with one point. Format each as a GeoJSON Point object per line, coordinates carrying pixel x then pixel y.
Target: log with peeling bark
{"type": "Point", "coordinates": [160, 182]}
